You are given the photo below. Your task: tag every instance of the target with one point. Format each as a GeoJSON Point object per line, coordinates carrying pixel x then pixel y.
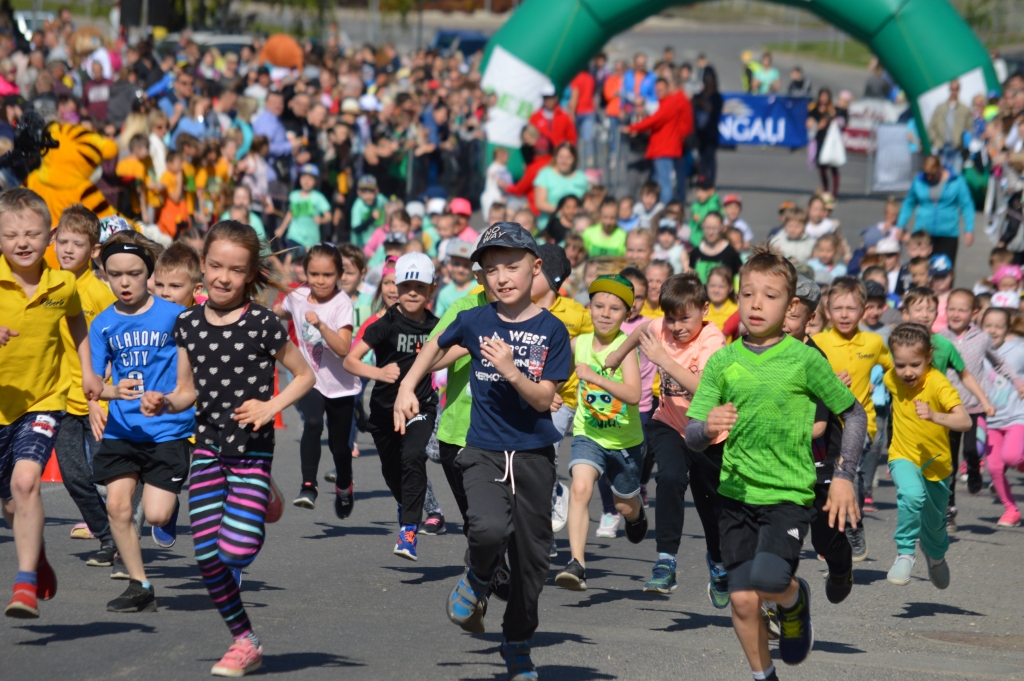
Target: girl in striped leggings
{"type": "Point", "coordinates": [226, 353]}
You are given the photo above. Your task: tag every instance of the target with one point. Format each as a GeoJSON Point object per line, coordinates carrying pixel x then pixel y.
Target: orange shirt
{"type": "Point", "coordinates": [692, 355]}
{"type": "Point", "coordinates": [172, 213]}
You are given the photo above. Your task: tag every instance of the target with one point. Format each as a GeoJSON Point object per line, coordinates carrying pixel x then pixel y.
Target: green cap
{"type": "Point", "coordinates": [615, 284]}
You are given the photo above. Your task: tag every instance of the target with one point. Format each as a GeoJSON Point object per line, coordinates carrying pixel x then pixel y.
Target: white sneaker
{"type": "Point", "coordinates": [609, 526]}
{"type": "Point", "coordinates": [560, 509]}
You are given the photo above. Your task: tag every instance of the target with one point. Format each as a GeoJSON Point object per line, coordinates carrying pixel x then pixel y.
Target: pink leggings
{"type": "Point", "coordinates": [1004, 449]}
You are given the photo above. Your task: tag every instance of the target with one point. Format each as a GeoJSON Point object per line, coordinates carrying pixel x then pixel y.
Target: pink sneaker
{"type": "Point", "coordinates": [81, 531]}
{"type": "Point", "coordinates": [242, 657]}
{"type": "Point", "coordinates": [1010, 519]}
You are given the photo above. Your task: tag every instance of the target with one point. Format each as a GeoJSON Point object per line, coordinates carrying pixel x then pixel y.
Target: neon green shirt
{"type": "Point", "coordinates": [599, 244]}
{"type": "Point", "coordinates": [599, 416]}
{"type": "Point", "coordinates": [458, 399]}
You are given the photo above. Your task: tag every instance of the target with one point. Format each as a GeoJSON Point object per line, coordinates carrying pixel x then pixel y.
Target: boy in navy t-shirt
{"type": "Point", "coordinates": [520, 354]}
{"type": "Point", "coordinates": [134, 338]}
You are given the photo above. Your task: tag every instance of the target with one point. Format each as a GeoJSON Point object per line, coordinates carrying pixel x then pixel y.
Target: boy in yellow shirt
{"type": "Point", "coordinates": [77, 243]}
{"type": "Point", "coordinates": [853, 353]}
{"type": "Point", "coordinates": [925, 407]}
{"type": "Point", "coordinates": [33, 300]}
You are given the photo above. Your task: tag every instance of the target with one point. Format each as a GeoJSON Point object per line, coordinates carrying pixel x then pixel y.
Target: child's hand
{"type": "Point", "coordinates": [313, 318]}
{"type": "Point", "coordinates": [924, 412]}
{"type": "Point", "coordinates": [614, 359]}
{"type": "Point", "coordinates": [720, 419]}
{"type": "Point", "coordinates": [375, 214]}
{"type": "Point", "coordinates": [844, 376]}
{"type": "Point", "coordinates": [556, 403]}
{"type": "Point", "coordinates": [585, 373]}
{"type": "Point", "coordinates": [92, 385]}
{"type": "Point", "coordinates": [97, 419]}
{"type": "Point", "coordinates": [499, 353]}
{"type": "Point", "coordinates": [842, 502]}
{"type": "Point", "coordinates": [990, 409]}
{"type": "Point", "coordinates": [407, 407]}
{"type": "Point", "coordinates": [127, 389]}
{"type": "Point", "coordinates": [255, 412]}
{"type": "Point", "coordinates": [654, 348]}
{"type": "Point", "coordinates": [153, 403]}
{"type": "Point", "coordinates": [6, 335]}
{"type": "Point", "coordinates": [389, 373]}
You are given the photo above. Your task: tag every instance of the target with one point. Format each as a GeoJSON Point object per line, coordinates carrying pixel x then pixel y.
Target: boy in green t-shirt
{"type": "Point", "coordinates": [606, 239]}
{"type": "Point", "coordinates": [707, 200]}
{"type": "Point", "coordinates": [763, 391]}
{"type": "Point", "coordinates": [608, 437]}
{"type": "Point", "coordinates": [307, 210]}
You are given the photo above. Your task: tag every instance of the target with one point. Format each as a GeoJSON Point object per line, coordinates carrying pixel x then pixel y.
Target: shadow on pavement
{"type": "Point", "coordinates": [199, 602]}
{"type": "Point", "coordinates": [73, 632]}
{"type": "Point", "coordinates": [429, 574]}
{"type": "Point", "coordinates": [293, 662]}
{"type": "Point", "coordinates": [600, 597]}
{"type": "Point", "coordinates": [332, 531]}
{"type": "Point", "coordinates": [694, 620]}
{"type": "Point", "coordinates": [836, 647]}
{"type": "Point", "coordinates": [980, 529]}
{"type": "Point", "coordinates": [915, 610]}
{"type": "Point", "coordinates": [865, 577]}
{"type": "Point", "coordinates": [553, 671]}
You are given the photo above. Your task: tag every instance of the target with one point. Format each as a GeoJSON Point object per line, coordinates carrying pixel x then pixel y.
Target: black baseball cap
{"type": "Point", "coordinates": [505, 235]}
{"type": "Point", "coordinates": [555, 266]}
{"type": "Point", "coordinates": [874, 290]}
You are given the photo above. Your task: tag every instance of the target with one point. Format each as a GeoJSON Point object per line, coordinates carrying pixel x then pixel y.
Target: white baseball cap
{"type": "Point", "coordinates": [887, 246]}
{"type": "Point", "coordinates": [436, 206]}
{"type": "Point", "coordinates": [414, 267]}
{"type": "Point", "coordinates": [415, 209]}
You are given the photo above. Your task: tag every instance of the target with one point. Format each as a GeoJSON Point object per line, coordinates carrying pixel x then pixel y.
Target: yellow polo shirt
{"type": "Point", "coordinates": [857, 355]}
{"type": "Point", "coordinates": [95, 297]}
{"type": "Point", "coordinates": [30, 362]}
{"type": "Point", "coordinates": [577, 320]}
{"type": "Point", "coordinates": [923, 443]}
{"type": "Point", "coordinates": [651, 313]}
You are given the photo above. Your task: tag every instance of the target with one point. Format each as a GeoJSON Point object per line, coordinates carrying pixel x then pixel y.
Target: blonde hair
{"type": "Point", "coordinates": [78, 219]}
{"type": "Point", "coordinates": [179, 256]}
{"type": "Point", "coordinates": [19, 200]}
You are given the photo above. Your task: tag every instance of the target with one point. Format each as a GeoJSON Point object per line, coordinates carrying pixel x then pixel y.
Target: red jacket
{"type": "Point", "coordinates": [559, 129]}
{"type": "Point", "coordinates": [669, 126]}
{"type": "Point", "coordinates": [524, 187]}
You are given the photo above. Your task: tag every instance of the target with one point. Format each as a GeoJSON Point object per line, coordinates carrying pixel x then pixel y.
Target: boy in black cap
{"type": "Point", "coordinates": [520, 354]}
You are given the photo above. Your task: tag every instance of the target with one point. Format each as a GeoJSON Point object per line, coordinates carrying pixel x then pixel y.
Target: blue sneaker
{"type": "Point", "coordinates": [797, 636]}
{"type": "Point", "coordinates": [165, 536]}
{"type": "Point", "coordinates": [663, 578]}
{"type": "Point", "coordinates": [406, 545]}
{"type": "Point", "coordinates": [517, 660]}
{"type": "Point", "coordinates": [718, 585]}
{"type": "Point", "coordinates": [237, 574]}
{"type": "Point", "coordinates": [467, 604]}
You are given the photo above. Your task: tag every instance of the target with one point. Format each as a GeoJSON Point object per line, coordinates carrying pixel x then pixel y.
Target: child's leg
{"type": "Point", "coordinates": [934, 538]}
{"type": "Point", "coordinates": [119, 510]}
{"type": "Point", "coordinates": [389, 451]}
{"type": "Point", "coordinates": [340, 426]}
{"type": "Point", "coordinates": [489, 509]}
{"type": "Point", "coordinates": [829, 541]}
{"type": "Point", "coordinates": [955, 438]}
{"type": "Point", "coordinates": [750, 629]}
{"type": "Point", "coordinates": [312, 407]}
{"type": "Point", "coordinates": [607, 499]}
{"type": "Point", "coordinates": [584, 475]}
{"type": "Point", "coordinates": [530, 542]}
{"type": "Point", "coordinates": [910, 502]}
{"type": "Point", "coordinates": [673, 478]}
{"type": "Point", "coordinates": [245, 508]}
{"type": "Point", "coordinates": [414, 467]}
{"type": "Point", "coordinates": [705, 470]}
{"type": "Point", "coordinates": [73, 441]}
{"type": "Point", "coordinates": [453, 473]}
{"type": "Point", "coordinates": [870, 463]}
{"type": "Point", "coordinates": [994, 447]}
{"type": "Point", "coordinates": [970, 439]}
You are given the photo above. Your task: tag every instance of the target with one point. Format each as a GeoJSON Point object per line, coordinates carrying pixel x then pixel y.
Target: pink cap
{"type": "Point", "coordinates": [460, 206]}
{"type": "Point", "coordinates": [389, 265]}
{"type": "Point", "coordinates": [1006, 271]}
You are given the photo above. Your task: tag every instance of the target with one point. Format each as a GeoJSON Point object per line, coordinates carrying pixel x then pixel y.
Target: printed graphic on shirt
{"type": "Point", "coordinates": [313, 341]}
{"type": "Point", "coordinates": [602, 409]}
{"type": "Point", "coordinates": [529, 351]}
{"type": "Point", "coordinates": [133, 348]}
{"type": "Point", "coordinates": [44, 424]}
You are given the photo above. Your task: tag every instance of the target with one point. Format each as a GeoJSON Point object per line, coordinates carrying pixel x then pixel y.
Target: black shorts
{"type": "Point", "coordinates": [160, 464]}
{"type": "Point", "coordinates": [747, 530]}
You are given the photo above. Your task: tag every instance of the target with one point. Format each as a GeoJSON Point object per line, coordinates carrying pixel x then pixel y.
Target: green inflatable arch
{"type": "Point", "coordinates": [923, 44]}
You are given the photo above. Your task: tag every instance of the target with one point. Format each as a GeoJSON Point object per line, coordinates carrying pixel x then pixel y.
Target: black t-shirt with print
{"type": "Point", "coordinates": [703, 263]}
{"type": "Point", "coordinates": [397, 339]}
{"type": "Point", "coordinates": [230, 365]}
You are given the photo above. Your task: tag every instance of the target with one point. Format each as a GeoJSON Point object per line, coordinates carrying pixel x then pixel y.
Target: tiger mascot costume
{"type": "Point", "coordinates": [62, 178]}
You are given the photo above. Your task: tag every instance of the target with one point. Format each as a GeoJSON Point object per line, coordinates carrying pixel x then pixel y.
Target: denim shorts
{"type": "Point", "coordinates": [622, 466]}
{"type": "Point", "coordinates": [30, 438]}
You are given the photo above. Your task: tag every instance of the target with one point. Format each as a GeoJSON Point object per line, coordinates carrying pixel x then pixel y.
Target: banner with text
{"type": "Point", "coordinates": [763, 120]}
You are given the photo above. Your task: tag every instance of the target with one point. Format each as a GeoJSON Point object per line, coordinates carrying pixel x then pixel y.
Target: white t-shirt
{"type": "Point", "coordinates": [331, 378]}
{"type": "Point", "coordinates": [817, 229]}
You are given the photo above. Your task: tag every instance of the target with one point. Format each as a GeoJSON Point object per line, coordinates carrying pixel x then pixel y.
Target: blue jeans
{"type": "Point", "coordinates": [663, 168]}
{"type": "Point", "coordinates": [684, 168]}
{"type": "Point", "coordinates": [585, 128]}
{"type": "Point", "coordinates": [613, 138]}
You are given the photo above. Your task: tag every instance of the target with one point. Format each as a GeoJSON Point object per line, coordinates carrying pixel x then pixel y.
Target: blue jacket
{"type": "Point", "coordinates": [646, 91]}
{"type": "Point", "coordinates": [942, 219]}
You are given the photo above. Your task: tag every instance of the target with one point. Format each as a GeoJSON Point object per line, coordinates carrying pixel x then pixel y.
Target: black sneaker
{"type": "Point", "coordinates": [573, 577]}
{"type": "Point", "coordinates": [343, 502]}
{"type": "Point", "coordinates": [307, 496]}
{"type": "Point", "coordinates": [838, 587]}
{"type": "Point", "coordinates": [136, 598]}
{"type": "Point", "coordinates": [636, 530]}
{"type": "Point", "coordinates": [501, 582]}
{"type": "Point", "coordinates": [974, 482]}
{"type": "Point", "coordinates": [118, 570]}
{"type": "Point", "coordinates": [951, 520]}
{"type": "Point", "coordinates": [858, 542]}
{"type": "Point", "coordinates": [797, 636]}
{"type": "Point", "coordinates": [104, 557]}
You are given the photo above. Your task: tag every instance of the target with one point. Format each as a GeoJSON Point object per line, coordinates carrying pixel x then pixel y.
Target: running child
{"type": "Point", "coordinates": [133, 338]}
{"type": "Point", "coordinates": [925, 407]}
{"type": "Point", "coordinates": [76, 244]}
{"type": "Point", "coordinates": [323, 317]}
{"type": "Point", "coordinates": [723, 311]}
{"type": "Point", "coordinates": [226, 353]}
{"type": "Point", "coordinates": [1004, 442]}
{"type": "Point", "coordinates": [680, 345]}
{"type": "Point", "coordinates": [763, 391]}
{"type": "Point", "coordinates": [520, 354]}
{"type": "Point", "coordinates": [34, 397]}
{"type": "Point", "coordinates": [395, 339]}
{"type": "Point", "coordinates": [608, 436]}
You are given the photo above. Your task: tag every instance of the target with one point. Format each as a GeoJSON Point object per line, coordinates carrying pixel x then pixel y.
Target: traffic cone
{"type": "Point", "coordinates": [52, 471]}
{"type": "Point", "coordinates": [278, 420]}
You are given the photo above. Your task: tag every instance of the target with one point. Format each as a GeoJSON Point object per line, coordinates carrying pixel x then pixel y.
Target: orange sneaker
{"type": "Point", "coordinates": [242, 657]}
{"type": "Point", "coordinates": [23, 604]}
{"type": "Point", "coordinates": [46, 580]}
{"type": "Point", "coordinates": [275, 509]}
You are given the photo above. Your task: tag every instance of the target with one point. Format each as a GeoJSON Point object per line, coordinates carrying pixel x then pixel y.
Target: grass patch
{"type": "Point", "coordinates": [849, 52]}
